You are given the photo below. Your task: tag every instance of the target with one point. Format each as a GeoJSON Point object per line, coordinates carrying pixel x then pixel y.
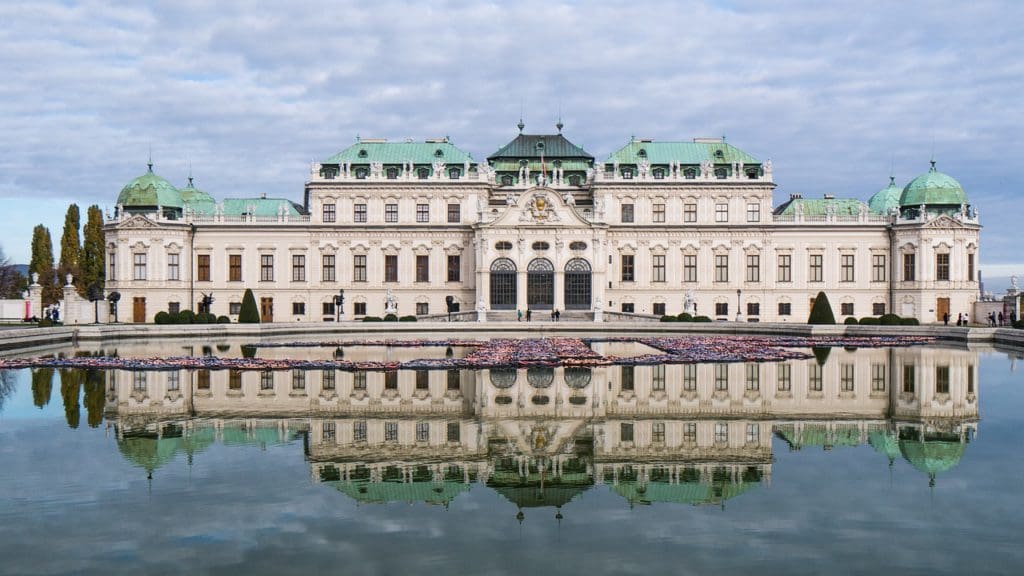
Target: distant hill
{"type": "Point", "coordinates": [22, 269]}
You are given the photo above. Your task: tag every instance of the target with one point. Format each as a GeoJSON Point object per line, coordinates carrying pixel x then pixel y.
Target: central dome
{"type": "Point", "coordinates": [150, 190]}
{"type": "Point", "coordinates": [886, 199]}
{"type": "Point", "coordinates": [933, 188]}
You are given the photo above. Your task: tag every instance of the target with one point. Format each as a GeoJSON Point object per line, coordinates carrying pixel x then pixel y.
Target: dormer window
{"type": "Point", "coordinates": [574, 180]}
{"type": "Point", "coordinates": [719, 154]}
{"type": "Point", "coordinates": [361, 173]}
{"type": "Point", "coordinates": [659, 174]}
{"type": "Point", "coordinates": [392, 173]}
{"type": "Point", "coordinates": [423, 173]}
{"type": "Point", "coordinates": [540, 145]}
{"type": "Point", "coordinates": [506, 180]}
{"type": "Point", "coordinates": [720, 173]}
{"type": "Point", "coordinates": [453, 173]}
{"type": "Point", "coordinates": [363, 154]}
{"type": "Point", "coordinates": [690, 174]}
{"type": "Point", "coordinates": [752, 174]}
{"type": "Point", "coordinates": [642, 153]}
{"type": "Point", "coordinates": [438, 153]}
{"type": "Point", "coordinates": [627, 174]}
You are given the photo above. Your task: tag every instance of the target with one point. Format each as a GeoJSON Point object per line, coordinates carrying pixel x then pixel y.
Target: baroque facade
{"type": "Point", "coordinates": [656, 228]}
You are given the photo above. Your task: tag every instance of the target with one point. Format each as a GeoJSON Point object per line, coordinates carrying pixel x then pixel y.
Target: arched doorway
{"type": "Point", "coordinates": [503, 284]}
{"type": "Point", "coordinates": [540, 284]}
{"type": "Point", "coordinates": [577, 284]}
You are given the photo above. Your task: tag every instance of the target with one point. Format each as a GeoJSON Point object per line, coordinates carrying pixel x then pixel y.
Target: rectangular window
{"type": "Point", "coordinates": [816, 272]}
{"type": "Point", "coordinates": [627, 213]}
{"type": "Point", "coordinates": [970, 267]}
{"type": "Point", "coordinates": [722, 377]}
{"type": "Point", "coordinates": [298, 268]}
{"type": "Point", "coordinates": [909, 267]}
{"type": "Point", "coordinates": [359, 308]}
{"type": "Point", "coordinates": [689, 213]}
{"type": "Point", "coordinates": [454, 213]}
{"type": "Point", "coordinates": [785, 309]}
{"type": "Point", "coordinates": [753, 212]}
{"type": "Point", "coordinates": [423, 431]}
{"type": "Point", "coordinates": [234, 380]}
{"type": "Point", "coordinates": [173, 268]}
{"type": "Point", "coordinates": [659, 308]}
{"type": "Point", "coordinates": [454, 268]}
{"type": "Point", "coordinates": [846, 377]}
{"type": "Point", "coordinates": [391, 213]}
{"type": "Point", "coordinates": [203, 268]}
{"type": "Point", "coordinates": [942, 379]}
{"type": "Point", "coordinates": [139, 271]}
{"type": "Point", "coordinates": [689, 377]}
{"type": "Point", "coordinates": [328, 308]}
{"type": "Point", "coordinates": [391, 431]}
{"type": "Point", "coordinates": [658, 215]}
{"type": "Point", "coordinates": [173, 380]}
{"type": "Point", "coordinates": [721, 212]}
{"type": "Point", "coordinates": [203, 380]}
{"type": "Point", "coordinates": [942, 266]}
{"type": "Point", "coordinates": [235, 308]}
{"type": "Point", "coordinates": [626, 431]}
{"type": "Point", "coordinates": [423, 213]}
{"type": "Point", "coordinates": [328, 379]}
{"type": "Point", "coordinates": [785, 268]}
{"type": "Point", "coordinates": [908, 378]}
{"type": "Point", "coordinates": [422, 380]}
{"type": "Point", "coordinates": [422, 268]}
{"type": "Point", "coordinates": [359, 268]}
{"type": "Point", "coordinates": [173, 307]}
{"type": "Point", "coordinates": [266, 380]}
{"type": "Point", "coordinates": [721, 267]}
{"type": "Point", "coordinates": [721, 308]}
{"type": "Point", "coordinates": [878, 377]}
{"type": "Point", "coordinates": [298, 379]}
{"type": "Point", "coordinates": [391, 268]}
{"type": "Point", "coordinates": [454, 432]}
{"type": "Point", "coordinates": [235, 268]}
{"type": "Point", "coordinates": [753, 381]}
{"type": "Point", "coordinates": [329, 213]}
{"type": "Point", "coordinates": [298, 308]}
{"type": "Point", "coordinates": [753, 268]}
{"type": "Point", "coordinates": [784, 377]}
{"type": "Point", "coordinates": [626, 374]}
{"type": "Point", "coordinates": [328, 268]}
{"type": "Point", "coordinates": [627, 307]}
{"type": "Point", "coordinates": [753, 433]}
{"type": "Point", "coordinates": [753, 309]}
{"type": "Point", "coordinates": [359, 431]}
{"type": "Point", "coordinates": [266, 268]}
{"type": "Point", "coordinates": [846, 308]}
{"type": "Point", "coordinates": [330, 431]}
{"type": "Point", "coordinates": [878, 268]}
{"type": "Point", "coordinates": [878, 308]}
{"type": "Point", "coordinates": [359, 380]}
{"type": "Point", "coordinates": [627, 268]}
{"type": "Point", "coordinates": [112, 266]}
{"type": "Point", "coordinates": [359, 213]}
{"type": "Point", "coordinates": [658, 431]}
{"type": "Point", "coordinates": [814, 382]}
{"type": "Point", "coordinates": [970, 378]}
{"type": "Point", "coordinates": [689, 267]}
{"type": "Point", "coordinates": [454, 380]}
{"type": "Point", "coordinates": [658, 273]}
{"type": "Point", "coordinates": [139, 381]}
{"type": "Point", "coordinates": [721, 432]}
{"type": "Point", "coordinates": [422, 308]}
{"type": "Point", "coordinates": [846, 273]}
{"type": "Point", "coordinates": [690, 432]}
{"type": "Point", "coordinates": [658, 377]}
{"type": "Point", "coordinates": [391, 380]}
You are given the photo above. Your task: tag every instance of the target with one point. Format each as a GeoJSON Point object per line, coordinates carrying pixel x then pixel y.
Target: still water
{"type": "Point", "coordinates": [902, 459]}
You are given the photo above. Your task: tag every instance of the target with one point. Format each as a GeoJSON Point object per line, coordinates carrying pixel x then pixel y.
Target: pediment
{"type": "Point", "coordinates": [138, 222]}
{"type": "Point", "coordinates": [540, 206]}
{"type": "Point", "coordinates": [944, 222]}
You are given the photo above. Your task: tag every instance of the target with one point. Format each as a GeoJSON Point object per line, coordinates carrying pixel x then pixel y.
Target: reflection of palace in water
{"type": "Point", "coordinates": [540, 436]}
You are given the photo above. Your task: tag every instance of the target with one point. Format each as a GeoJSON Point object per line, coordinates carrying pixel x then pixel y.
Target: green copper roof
{"type": "Point", "coordinates": [533, 145]}
{"type": "Point", "coordinates": [150, 452]}
{"type": "Point", "coordinates": [933, 187]}
{"type": "Point", "coordinates": [885, 443]}
{"type": "Point", "coordinates": [192, 194]}
{"type": "Point", "coordinates": [932, 457]}
{"type": "Point", "coordinates": [265, 207]}
{"type": "Point", "coordinates": [886, 199]}
{"type": "Point", "coordinates": [820, 206]}
{"type": "Point", "coordinates": [150, 190]}
{"type": "Point", "coordinates": [682, 152]}
{"type": "Point", "coordinates": [693, 493]}
{"type": "Point", "coordinates": [383, 492]}
{"type": "Point", "coordinates": [399, 152]}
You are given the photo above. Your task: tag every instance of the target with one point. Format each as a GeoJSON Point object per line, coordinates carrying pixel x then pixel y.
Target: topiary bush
{"type": "Point", "coordinates": [701, 319]}
{"type": "Point", "coordinates": [249, 314]}
{"type": "Point", "coordinates": [223, 320]}
{"type": "Point", "coordinates": [850, 320]}
{"type": "Point", "coordinates": [186, 317]}
{"type": "Point", "coordinates": [407, 319]}
{"type": "Point", "coordinates": [909, 322]}
{"type": "Point", "coordinates": [889, 320]}
{"type": "Point", "coordinates": [869, 321]}
{"type": "Point", "coordinates": [685, 317]}
{"type": "Point", "coordinates": [162, 318]}
{"type": "Point", "coordinates": [372, 319]}
{"type": "Point", "coordinates": [821, 313]}
{"type": "Point", "coordinates": [669, 318]}
{"type": "Point", "coordinates": [390, 318]}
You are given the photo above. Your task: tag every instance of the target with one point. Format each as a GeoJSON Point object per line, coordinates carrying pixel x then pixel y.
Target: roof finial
{"type": "Point", "coordinates": [358, 139]}
{"type": "Point", "coordinates": [150, 163]}
{"type": "Point", "coordinates": [521, 125]}
{"type": "Point", "coordinates": [190, 174]}
{"type": "Point", "coordinates": [559, 124]}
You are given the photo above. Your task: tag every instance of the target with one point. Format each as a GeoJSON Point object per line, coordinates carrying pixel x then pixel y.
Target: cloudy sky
{"type": "Point", "coordinates": [836, 94]}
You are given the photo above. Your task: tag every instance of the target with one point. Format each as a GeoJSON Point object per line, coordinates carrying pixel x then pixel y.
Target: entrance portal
{"type": "Point", "coordinates": [503, 284]}
{"type": "Point", "coordinates": [138, 309]}
{"type": "Point", "coordinates": [941, 308]}
{"type": "Point", "coordinates": [540, 284]}
{"type": "Point", "coordinates": [266, 309]}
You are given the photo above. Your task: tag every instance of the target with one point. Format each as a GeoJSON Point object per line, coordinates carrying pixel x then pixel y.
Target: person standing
{"type": "Point", "coordinates": [519, 315]}
{"type": "Point", "coordinates": [945, 318]}
{"type": "Point", "coordinates": [960, 319]}
{"type": "Point", "coordinates": [529, 314]}
{"type": "Point", "coordinates": [1002, 319]}
{"type": "Point", "coordinates": [558, 315]}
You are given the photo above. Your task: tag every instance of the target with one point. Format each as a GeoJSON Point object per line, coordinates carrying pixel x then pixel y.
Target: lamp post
{"type": "Point", "coordinates": [739, 305]}
{"type": "Point", "coordinates": [339, 304]}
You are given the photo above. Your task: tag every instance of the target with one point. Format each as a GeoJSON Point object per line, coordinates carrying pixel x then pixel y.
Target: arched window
{"type": "Point", "coordinates": [503, 284]}
{"type": "Point", "coordinates": [577, 291]}
{"type": "Point", "coordinates": [363, 154]}
{"type": "Point", "coordinates": [438, 153]}
{"type": "Point", "coordinates": [540, 265]}
{"type": "Point", "coordinates": [577, 377]}
{"type": "Point", "coordinates": [503, 378]}
{"type": "Point", "coordinates": [453, 173]}
{"type": "Point", "coordinates": [540, 284]}
{"type": "Point", "coordinates": [720, 173]}
{"type": "Point", "coordinates": [507, 180]}
{"type": "Point", "coordinates": [540, 377]}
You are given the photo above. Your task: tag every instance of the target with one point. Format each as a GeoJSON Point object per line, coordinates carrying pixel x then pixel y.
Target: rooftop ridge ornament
{"type": "Point", "coordinates": [520, 125]}
{"type": "Point", "coordinates": [149, 164]}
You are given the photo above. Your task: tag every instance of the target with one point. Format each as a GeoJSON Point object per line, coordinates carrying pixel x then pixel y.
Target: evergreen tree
{"type": "Point", "coordinates": [249, 314]}
{"type": "Point", "coordinates": [95, 397]}
{"type": "Point", "coordinates": [92, 262]}
{"type": "Point", "coordinates": [42, 264]}
{"type": "Point", "coordinates": [821, 313]}
{"type": "Point", "coordinates": [70, 247]}
{"type": "Point", "coordinates": [71, 391]}
{"type": "Point", "coordinates": [42, 386]}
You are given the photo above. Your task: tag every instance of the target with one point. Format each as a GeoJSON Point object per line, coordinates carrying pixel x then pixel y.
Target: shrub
{"type": "Point", "coordinates": [701, 319]}
{"type": "Point", "coordinates": [821, 313]}
{"type": "Point", "coordinates": [821, 354]}
{"type": "Point", "coordinates": [186, 317]}
{"type": "Point", "coordinates": [372, 319]}
{"type": "Point", "coordinates": [223, 320]}
{"type": "Point", "coordinates": [390, 318]}
{"type": "Point", "coordinates": [909, 322]}
{"type": "Point", "coordinates": [669, 318]}
{"type": "Point", "coordinates": [162, 318]}
{"type": "Point", "coordinates": [249, 314]}
{"type": "Point", "coordinates": [1018, 324]}
{"type": "Point", "coordinates": [869, 321]}
{"type": "Point", "coordinates": [889, 320]}
{"type": "Point", "coordinates": [407, 319]}
{"type": "Point", "coordinates": [685, 317]}
{"type": "Point", "coordinates": [850, 320]}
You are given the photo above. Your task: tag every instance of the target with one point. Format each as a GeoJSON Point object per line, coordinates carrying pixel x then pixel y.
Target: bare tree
{"type": "Point", "coordinates": [12, 282]}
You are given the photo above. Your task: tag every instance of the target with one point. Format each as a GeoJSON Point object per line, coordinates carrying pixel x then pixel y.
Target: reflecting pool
{"type": "Point", "coordinates": [852, 461]}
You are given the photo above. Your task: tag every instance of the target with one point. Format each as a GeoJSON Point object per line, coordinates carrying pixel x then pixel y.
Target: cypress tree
{"type": "Point", "coordinates": [71, 392]}
{"type": "Point", "coordinates": [93, 257]}
{"type": "Point", "coordinates": [249, 314]}
{"type": "Point", "coordinates": [42, 263]}
{"type": "Point", "coordinates": [42, 386]}
{"type": "Point", "coordinates": [70, 247]}
{"type": "Point", "coordinates": [821, 313]}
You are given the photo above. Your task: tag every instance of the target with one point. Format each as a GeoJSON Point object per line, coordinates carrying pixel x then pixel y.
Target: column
{"type": "Point", "coordinates": [521, 290]}
{"type": "Point", "coordinates": [559, 301]}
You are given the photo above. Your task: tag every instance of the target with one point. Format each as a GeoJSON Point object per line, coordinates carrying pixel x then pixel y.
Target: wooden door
{"type": "Point", "coordinates": [138, 309]}
{"type": "Point", "coordinates": [266, 309]}
{"type": "Point", "coordinates": [941, 308]}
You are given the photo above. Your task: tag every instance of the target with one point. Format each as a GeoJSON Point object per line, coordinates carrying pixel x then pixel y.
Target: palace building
{"type": "Point", "coordinates": [656, 228]}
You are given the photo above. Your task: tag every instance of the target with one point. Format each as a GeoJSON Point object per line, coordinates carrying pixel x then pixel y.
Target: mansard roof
{"type": "Point", "coordinates": [367, 151]}
{"type": "Point", "coordinates": [820, 206]}
{"type": "Point", "coordinates": [533, 145]}
{"type": "Point", "coordinates": [714, 149]}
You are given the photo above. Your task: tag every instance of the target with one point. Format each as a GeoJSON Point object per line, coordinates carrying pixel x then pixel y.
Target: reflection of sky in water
{"type": "Point", "coordinates": [72, 502]}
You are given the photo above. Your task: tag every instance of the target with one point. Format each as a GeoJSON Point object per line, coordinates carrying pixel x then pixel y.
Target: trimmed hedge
{"type": "Point", "coordinates": [186, 317]}
{"type": "Point", "coordinates": [372, 319]}
{"type": "Point", "coordinates": [408, 319]}
{"type": "Point", "coordinates": [162, 318]}
{"type": "Point", "coordinates": [685, 317]}
{"type": "Point", "coordinates": [669, 318]}
{"type": "Point", "coordinates": [850, 320]}
{"type": "Point", "coordinates": [909, 322]}
{"type": "Point", "coordinates": [869, 321]}
{"type": "Point", "coordinates": [390, 318]}
{"type": "Point", "coordinates": [889, 320]}
{"type": "Point", "coordinates": [821, 313]}
{"type": "Point", "coordinates": [223, 320]}
{"type": "Point", "coordinates": [250, 313]}
{"type": "Point", "coordinates": [701, 319]}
